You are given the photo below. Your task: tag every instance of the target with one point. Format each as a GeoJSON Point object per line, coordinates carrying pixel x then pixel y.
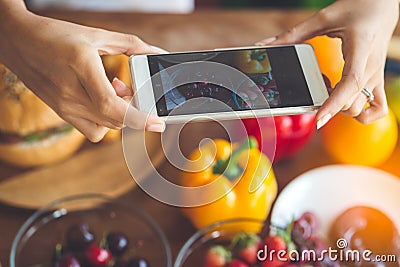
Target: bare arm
{"type": "Point", "coordinates": [60, 62]}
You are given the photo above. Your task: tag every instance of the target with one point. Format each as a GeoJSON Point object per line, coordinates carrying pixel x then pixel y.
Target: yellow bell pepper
{"type": "Point", "coordinates": [253, 61]}
{"type": "Point", "coordinates": [242, 176]}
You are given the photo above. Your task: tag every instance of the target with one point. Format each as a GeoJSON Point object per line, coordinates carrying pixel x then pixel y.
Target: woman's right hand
{"type": "Point", "coordinates": [60, 62]}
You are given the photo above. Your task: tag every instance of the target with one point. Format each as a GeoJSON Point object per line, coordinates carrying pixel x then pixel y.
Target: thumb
{"type": "Point", "coordinates": [115, 43]}
{"type": "Point", "coordinates": [299, 33]}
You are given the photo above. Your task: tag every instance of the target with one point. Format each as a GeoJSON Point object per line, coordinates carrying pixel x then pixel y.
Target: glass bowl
{"type": "Point", "coordinates": [36, 240]}
{"type": "Point", "coordinates": [193, 251]}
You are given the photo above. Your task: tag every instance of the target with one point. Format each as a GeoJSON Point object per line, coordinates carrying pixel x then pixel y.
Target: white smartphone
{"type": "Point", "coordinates": [228, 83]}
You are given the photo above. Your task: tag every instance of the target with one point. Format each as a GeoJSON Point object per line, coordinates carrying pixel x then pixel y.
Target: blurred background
{"type": "Point", "coordinates": [262, 3]}
{"type": "Point", "coordinates": [176, 6]}
{"type": "Point", "coordinates": [182, 25]}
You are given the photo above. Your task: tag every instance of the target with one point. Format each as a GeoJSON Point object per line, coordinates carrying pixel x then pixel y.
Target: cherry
{"type": "Point", "coordinates": [78, 236]}
{"type": "Point", "coordinates": [67, 260]}
{"type": "Point", "coordinates": [311, 219]}
{"type": "Point", "coordinates": [327, 263]}
{"type": "Point", "coordinates": [97, 256]}
{"type": "Point", "coordinates": [137, 262]}
{"type": "Point", "coordinates": [301, 232]}
{"type": "Point", "coordinates": [117, 242]}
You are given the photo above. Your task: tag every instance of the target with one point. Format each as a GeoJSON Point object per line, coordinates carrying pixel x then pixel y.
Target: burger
{"type": "Point", "coordinates": [31, 133]}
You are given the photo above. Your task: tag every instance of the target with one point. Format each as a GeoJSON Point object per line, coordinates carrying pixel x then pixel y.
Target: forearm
{"type": "Point", "coordinates": [11, 4]}
{"type": "Point", "coordinates": [14, 16]}
{"type": "Point", "coordinates": [10, 10]}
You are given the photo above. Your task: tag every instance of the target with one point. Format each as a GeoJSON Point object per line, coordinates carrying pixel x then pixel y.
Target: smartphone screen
{"type": "Point", "coordinates": [276, 73]}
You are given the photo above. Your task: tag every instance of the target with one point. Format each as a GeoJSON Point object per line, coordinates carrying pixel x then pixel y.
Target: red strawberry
{"type": "Point", "coordinates": [237, 263]}
{"type": "Point", "coordinates": [249, 254]}
{"type": "Point", "coordinates": [274, 263]}
{"type": "Point", "coordinates": [275, 243]}
{"type": "Point", "coordinates": [97, 256]}
{"type": "Point", "coordinates": [217, 256]}
{"type": "Point", "coordinates": [246, 247]}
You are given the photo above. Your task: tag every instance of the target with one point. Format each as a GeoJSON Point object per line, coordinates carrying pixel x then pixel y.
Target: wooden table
{"type": "Point", "coordinates": [205, 29]}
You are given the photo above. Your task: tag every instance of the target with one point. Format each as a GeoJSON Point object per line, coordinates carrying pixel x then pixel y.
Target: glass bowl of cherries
{"type": "Point", "coordinates": [90, 231]}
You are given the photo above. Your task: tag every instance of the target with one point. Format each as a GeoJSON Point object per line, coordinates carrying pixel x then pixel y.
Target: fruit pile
{"type": "Point", "coordinates": [81, 250]}
{"type": "Point", "coordinates": [283, 248]}
{"type": "Point", "coordinates": [344, 138]}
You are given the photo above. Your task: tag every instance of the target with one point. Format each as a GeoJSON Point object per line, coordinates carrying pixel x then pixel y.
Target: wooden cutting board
{"type": "Point", "coordinates": [98, 169]}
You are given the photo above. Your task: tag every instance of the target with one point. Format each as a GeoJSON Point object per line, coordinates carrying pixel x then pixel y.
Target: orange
{"type": "Point", "coordinates": [349, 141]}
{"type": "Point", "coordinates": [393, 95]}
{"type": "Point", "coordinates": [329, 56]}
{"type": "Point", "coordinates": [117, 66]}
{"type": "Point", "coordinates": [392, 164]}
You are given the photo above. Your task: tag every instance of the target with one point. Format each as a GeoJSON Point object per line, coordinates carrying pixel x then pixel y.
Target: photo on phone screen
{"type": "Point", "coordinates": [276, 75]}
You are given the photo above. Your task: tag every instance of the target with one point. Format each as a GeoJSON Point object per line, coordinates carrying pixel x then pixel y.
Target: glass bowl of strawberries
{"type": "Point", "coordinates": [225, 243]}
{"type": "Point", "coordinates": [254, 243]}
{"type": "Point", "coordinates": [90, 230]}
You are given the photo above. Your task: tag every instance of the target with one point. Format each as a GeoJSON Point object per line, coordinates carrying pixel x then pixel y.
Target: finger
{"type": "Point", "coordinates": [327, 83]}
{"type": "Point", "coordinates": [159, 50]}
{"type": "Point", "coordinates": [93, 78]}
{"type": "Point", "coordinates": [137, 119]}
{"type": "Point", "coordinates": [377, 108]}
{"type": "Point", "coordinates": [357, 107]}
{"type": "Point", "coordinates": [121, 88]}
{"type": "Point", "coordinates": [91, 130]}
{"type": "Point", "coordinates": [72, 100]}
{"type": "Point", "coordinates": [120, 43]}
{"type": "Point", "coordinates": [87, 111]}
{"type": "Point", "coordinates": [305, 30]}
{"type": "Point", "coordinates": [113, 108]}
{"type": "Point", "coordinates": [351, 83]}
{"type": "Point", "coordinates": [360, 102]}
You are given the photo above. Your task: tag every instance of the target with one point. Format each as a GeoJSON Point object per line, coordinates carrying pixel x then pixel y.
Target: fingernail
{"type": "Point", "coordinates": [156, 127]}
{"type": "Point", "coordinates": [115, 79]}
{"type": "Point", "coordinates": [266, 41]}
{"type": "Point", "coordinates": [321, 122]}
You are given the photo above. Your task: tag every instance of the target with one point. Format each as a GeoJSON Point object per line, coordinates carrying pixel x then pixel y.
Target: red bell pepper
{"type": "Point", "coordinates": [292, 133]}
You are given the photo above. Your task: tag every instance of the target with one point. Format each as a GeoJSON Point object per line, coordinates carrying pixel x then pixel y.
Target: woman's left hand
{"type": "Point", "coordinates": [365, 28]}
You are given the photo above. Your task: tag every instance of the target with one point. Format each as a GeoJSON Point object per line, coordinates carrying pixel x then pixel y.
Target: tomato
{"type": "Point", "coordinates": [292, 133]}
{"type": "Point", "coordinates": [349, 141]}
{"type": "Point", "coordinates": [329, 56]}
